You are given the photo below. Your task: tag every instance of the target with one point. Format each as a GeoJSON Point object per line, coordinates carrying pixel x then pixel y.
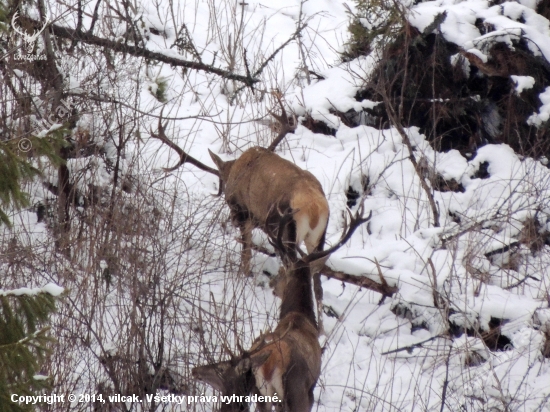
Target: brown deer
{"type": "Point", "coordinates": [287, 361]}
{"type": "Point", "coordinates": [258, 185]}
{"type": "Point", "coordinates": [233, 377]}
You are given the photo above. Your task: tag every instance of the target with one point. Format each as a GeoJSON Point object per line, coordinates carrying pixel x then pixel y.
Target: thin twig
{"type": "Point", "coordinates": [413, 346]}
{"type": "Point", "coordinates": [400, 129]}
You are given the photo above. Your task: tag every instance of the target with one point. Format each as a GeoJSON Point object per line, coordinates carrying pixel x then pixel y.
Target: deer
{"type": "Point", "coordinates": [287, 361]}
{"type": "Point", "coordinates": [232, 377]}
{"type": "Point", "coordinates": [257, 186]}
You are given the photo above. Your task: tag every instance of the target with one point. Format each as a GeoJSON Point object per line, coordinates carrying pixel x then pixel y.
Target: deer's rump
{"type": "Point", "coordinates": [268, 185]}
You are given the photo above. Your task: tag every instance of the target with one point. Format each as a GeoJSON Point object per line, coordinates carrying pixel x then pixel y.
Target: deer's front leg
{"type": "Point", "coordinates": [246, 253]}
{"type": "Point", "coordinates": [241, 219]}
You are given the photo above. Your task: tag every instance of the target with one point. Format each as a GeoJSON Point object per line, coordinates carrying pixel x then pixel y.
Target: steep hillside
{"type": "Point", "coordinates": [433, 116]}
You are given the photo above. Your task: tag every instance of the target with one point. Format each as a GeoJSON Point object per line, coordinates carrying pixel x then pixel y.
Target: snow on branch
{"type": "Point", "coordinates": [50, 288]}
{"type": "Point", "coordinates": [165, 56]}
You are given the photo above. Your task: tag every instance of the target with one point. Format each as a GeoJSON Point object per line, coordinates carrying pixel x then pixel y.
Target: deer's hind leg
{"type": "Point", "coordinates": [288, 237]}
{"type": "Point", "coordinates": [245, 225]}
{"type": "Point", "coordinates": [246, 253]}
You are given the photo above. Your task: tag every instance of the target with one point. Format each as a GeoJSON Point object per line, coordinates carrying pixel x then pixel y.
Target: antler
{"type": "Point", "coordinates": [184, 157]}
{"type": "Point", "coordinates": [25, 35]}
{"type": "Point", "coordinates": [355, 221]}
{"type": "Point", "coordinates": [15, 15]}
{"type": "Point", "coordinates": [36, 34]}
{"type": "Point", "coordinates": [286, 125]}
{"type": "Point", "coordinates": [286, 217]}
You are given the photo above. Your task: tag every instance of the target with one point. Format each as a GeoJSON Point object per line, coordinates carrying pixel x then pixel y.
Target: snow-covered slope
{"type": "Point", "coordinates": [485, 269]}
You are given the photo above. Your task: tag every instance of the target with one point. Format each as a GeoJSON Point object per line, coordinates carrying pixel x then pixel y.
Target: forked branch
{"type": "Point", "coordinates": [287, 124]}
{"type": "Point", "coordinates": [184, 157]}
{"type": "Point", "coordinates": [359, 280]}
{"type": "Point", "coordinates": [355, 221]}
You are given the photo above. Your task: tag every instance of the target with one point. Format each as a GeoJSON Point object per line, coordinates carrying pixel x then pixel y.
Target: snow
{"type": "Point", "coordinates": [50, 288]}
{"type": "Point", "coordinates": [380, 355]}
{"type": "Point", "coordinates": [522, 82]}
{"type": "Point", "coordinates": [465, 64]}
{"type": "Point", "coordinates": [459, 25]}
{"type": "Point", "coordinates": [40, 377]}
{"type": "Point", "coordinates": [483, 57]}
{"type": "Point", "coordinates": [320, 98]}
{"type": "Point", "coordinates": [543, 115]}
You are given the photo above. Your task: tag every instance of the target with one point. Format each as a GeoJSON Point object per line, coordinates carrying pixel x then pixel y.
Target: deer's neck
{"type": "Point", "coordinates": [298, 296]}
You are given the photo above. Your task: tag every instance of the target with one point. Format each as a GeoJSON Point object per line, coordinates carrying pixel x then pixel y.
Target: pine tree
{"type": "Point", "coordinates": [24, 344]}
{"type": "Point", "coordinates": [13, 170]}
{"type": "Point", "coordinates": [16, 156]}
{"type": "Point", "coordinates": [16, 168]}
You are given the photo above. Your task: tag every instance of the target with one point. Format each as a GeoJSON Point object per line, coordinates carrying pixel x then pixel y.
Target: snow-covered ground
{"type": "Point", "coordinates": [480, 266]}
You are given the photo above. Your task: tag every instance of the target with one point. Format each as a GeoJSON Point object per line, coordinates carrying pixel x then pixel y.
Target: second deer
{"type": "Point", "coordinates": [287, 361]}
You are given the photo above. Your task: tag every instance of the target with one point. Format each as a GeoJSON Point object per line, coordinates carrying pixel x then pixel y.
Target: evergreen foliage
{"type": "Point", "coordinates": [13, 170]}
{"type": "Point", "coordinates": [159, 89]}
{"type": "Point", "coordinates": [16, 167]}
{"type": "Point", "coordinates": [23, 346]}
{"type": "Point", "coordinates": [3, 18]}
{"type": "Point", "coordinates": [373, 18]}
{"type": "Point", "coordinates": [17, 152]}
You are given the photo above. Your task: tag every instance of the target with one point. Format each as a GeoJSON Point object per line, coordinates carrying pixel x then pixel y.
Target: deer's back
{"type": "Point", "coordinates": [294, 363]}
{"type": "Point", "coordinates": [263, 181]}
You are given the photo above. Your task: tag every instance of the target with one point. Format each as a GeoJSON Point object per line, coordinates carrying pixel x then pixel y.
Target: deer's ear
{"type": "Point", "coordinates": [243, 366]}
{"type": "Point", "coordinates": [217, 160]}
{"type": "Point", "coordinates": [212, 374]}
{"type": "Point", "coordinates": [259, 359]}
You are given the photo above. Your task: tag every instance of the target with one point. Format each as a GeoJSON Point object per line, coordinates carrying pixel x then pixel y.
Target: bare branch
{"type": "Point", "coordinates": [281, 47]}
{"type": "Point", "coordinates": [355, 221]}
{"type": "Point", "coordinates": [361, 281]}
{"type": "Point", "coordinates": [409, 348]}
{"type": "Point", "coordinates": [184, 157]}
{"type": "Point", "coordinates": [398, 125]}
{"type": "Point", "coordinates": [88, 38]}
{"type": "Point", "coordinates": [94, 17]}
{"type": "Point", "coordinates": [287, 126]}
{"type": "Point", "coordinates": [272, 56]}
